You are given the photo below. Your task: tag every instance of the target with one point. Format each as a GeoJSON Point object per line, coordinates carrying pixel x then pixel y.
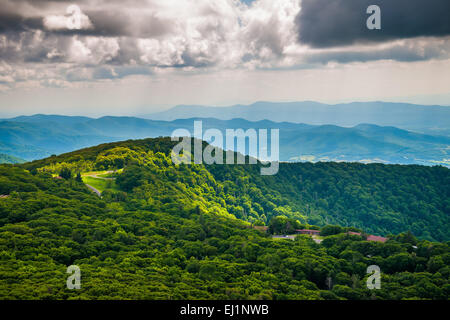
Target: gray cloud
{"type": "Point", "coordinates": [330, 23]}
{"type": "Point", "coordinates": [406, 51]}
{"type": "Point", "coordinates": [11, 21]}
{"type": "Point", "coordinates": [111, 23]}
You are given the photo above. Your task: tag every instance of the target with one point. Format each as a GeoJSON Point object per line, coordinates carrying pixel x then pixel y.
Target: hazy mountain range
{"type": "Point", "coordinates": [424, 119]}
{"type": "Point", "coordinates": [6, 158]}
{"type": "Point", "coordinates": [38, 136]}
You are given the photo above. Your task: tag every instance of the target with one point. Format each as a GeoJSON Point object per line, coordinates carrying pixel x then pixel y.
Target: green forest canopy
{"type": "Point", "coordinates": [171, 232]}
{"type": "Point", "coordinates": [377, 198]}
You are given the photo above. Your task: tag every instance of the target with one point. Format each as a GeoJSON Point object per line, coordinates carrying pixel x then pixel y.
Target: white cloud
{"type": "Point", "coordinates": [74, 19]}
{"type": "Point", "coordinates": [168, 33]}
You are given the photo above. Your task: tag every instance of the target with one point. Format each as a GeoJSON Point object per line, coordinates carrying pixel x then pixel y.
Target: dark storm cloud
{"type": "Point", "coordinates": [11, 21]}
{"type": "Point", "coordinates": [330, 23]}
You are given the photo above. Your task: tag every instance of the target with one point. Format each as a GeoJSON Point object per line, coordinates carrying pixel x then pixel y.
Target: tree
{"type": "Point", "coordinates": [65, 173]}
{"type": "Point", "coordinates": [330, 230]}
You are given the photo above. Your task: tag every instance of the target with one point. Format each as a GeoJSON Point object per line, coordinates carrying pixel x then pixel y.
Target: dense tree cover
{"type": "Point", "coordinates": [171, 231]}
{"type": "Point", "coordinates": [379, 199]}
{"type": "Point", "coordinates": [284, 225]}
{"type": "Point", "coordinates": [142, 245]}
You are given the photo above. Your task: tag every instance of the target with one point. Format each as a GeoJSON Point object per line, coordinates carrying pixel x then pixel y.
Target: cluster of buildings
{"type": "Point", "coordinates": [369, 237]}
{"type": "Point", "coordinates": [312, 232]}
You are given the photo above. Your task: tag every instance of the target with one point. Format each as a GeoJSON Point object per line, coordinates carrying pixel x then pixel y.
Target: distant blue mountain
{"type": "Point", "coordinates": [40, 136]}
{"type": "Point", "coordinates": [5, 158]}
{"type": "Point", "coordinates": [49, 119]}
{"type": "Point", "coordinates": [424, 119]}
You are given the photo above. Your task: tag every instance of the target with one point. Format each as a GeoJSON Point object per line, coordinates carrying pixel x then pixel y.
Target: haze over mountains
{"type": "Point", "coordinates": [39, 136]}
{"type": "Point", "coordinates": [425, 119]}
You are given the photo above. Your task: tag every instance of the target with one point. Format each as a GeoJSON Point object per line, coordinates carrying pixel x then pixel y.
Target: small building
{"type": "Point", "coordinates": [308, 231]}
{"type": "Point", "coordinates": [354, 233]}
{"type": "Point", "coordinates": [4, 196]}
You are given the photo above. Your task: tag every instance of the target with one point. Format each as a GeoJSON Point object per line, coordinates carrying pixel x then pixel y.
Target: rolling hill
{"type": "Point", "coordinates": [377, 198]}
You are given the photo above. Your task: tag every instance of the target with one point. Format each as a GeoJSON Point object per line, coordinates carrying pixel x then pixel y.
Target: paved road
{"type": "Point", "coordinates": [94, 189]}
{"type": "Point", "coordinates": [93, 175]}
{"type": "Point", "coordinates": [292, 237]}
{"type": "Point", "coordinates": [285, 236]}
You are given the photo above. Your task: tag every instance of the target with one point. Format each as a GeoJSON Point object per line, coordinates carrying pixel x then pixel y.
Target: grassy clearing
{"type": "Point", "coordinates": [103, 174]}
{"type": "Point", "coordinates": [97, 173]}
{"type": "Point", "coordinates": [107, 175]}
{"type": "Point", "coordinates": [100, 184]}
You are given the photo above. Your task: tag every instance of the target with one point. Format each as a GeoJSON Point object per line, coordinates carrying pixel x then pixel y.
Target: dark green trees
{"type": "Point", "coordinates": [169, 234]}
{"type": "Point", "coordinates": [65, 173]}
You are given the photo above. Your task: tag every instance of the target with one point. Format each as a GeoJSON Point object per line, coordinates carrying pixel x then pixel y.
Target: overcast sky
{"type": "Point", "coordinates": [130, 57]}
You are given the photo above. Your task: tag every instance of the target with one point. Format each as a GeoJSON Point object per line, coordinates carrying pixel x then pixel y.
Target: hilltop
{"type": "Point", "coordinates": [413, 117]}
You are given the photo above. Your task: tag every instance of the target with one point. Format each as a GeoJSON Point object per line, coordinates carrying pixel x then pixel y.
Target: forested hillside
{"type": "Point", "coordinates": [380, 199]}
{"type": "Point", "coordinates": [142, 245]}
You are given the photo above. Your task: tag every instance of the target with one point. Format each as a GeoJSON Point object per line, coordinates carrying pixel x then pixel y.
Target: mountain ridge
{"type": "Point", "coordinates": [422, 118]}
{"type": "Point", "coordinates": [39, 136]}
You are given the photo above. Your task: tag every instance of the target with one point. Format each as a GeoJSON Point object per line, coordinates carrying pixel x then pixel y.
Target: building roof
{"type": "Point", "coordinates": [370, 237]}
{"type": "Point", "coordinates": [376, 238]}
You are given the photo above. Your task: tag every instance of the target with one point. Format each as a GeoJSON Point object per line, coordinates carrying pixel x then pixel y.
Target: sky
{"type": "Point", "coordinates": [130, 57]}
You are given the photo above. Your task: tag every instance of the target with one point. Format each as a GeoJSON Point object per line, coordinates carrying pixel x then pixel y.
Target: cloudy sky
{"type": "Point", "coordinates": [131, 57]}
